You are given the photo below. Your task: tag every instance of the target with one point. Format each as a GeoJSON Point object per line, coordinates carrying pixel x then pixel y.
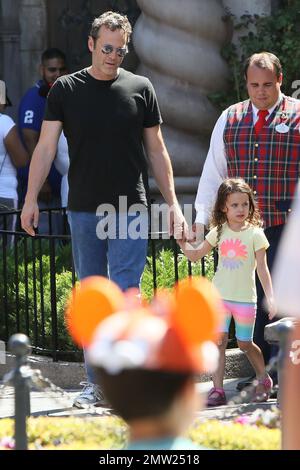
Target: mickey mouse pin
{"type": "Point", "coordinates": [282, 128]}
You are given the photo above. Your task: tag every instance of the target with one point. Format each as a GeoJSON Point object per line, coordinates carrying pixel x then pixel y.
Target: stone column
{"type": "Point", "coordinates": [178, 44]}
{"type": "Point", "coordinates": [9, 51]}
{"type": "Point", "coordinates": [33, 22]}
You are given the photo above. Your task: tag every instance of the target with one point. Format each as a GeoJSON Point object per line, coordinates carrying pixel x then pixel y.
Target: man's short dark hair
{"type": "Point", "coordinates": [141, 393]}
{"type": "Point", "coordinates": [112, 21]}
{"type": "Point", "coordinates": [263, 60]}
{"type": "Point", "coordinates": [52, 53]}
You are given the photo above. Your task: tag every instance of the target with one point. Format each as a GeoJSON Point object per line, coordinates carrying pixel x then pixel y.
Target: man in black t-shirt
{"type": "Point", "coordinates": [111, 119]}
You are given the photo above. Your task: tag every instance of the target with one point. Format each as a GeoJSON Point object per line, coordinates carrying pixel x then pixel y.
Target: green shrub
{"type": "Point", "coordinates": [111, 433]}
{"type": "Point", "coordinates": [165, 271]}
{"type": "Point", "coordinates": [33, 285]}
{"type": "Point", "coordinates": [34, 290]}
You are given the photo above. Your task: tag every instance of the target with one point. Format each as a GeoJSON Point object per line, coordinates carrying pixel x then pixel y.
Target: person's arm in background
{"type": "Point", "coordinates": [42, 159]}
{"type": "Point", "coordinates": [15, 149]}
{"type": "Point", "coordinates": [163, 173]}
{"type": "Point", "coordinates": [213, 173]}
{"type": "Point", "coordinates": [31, 138]}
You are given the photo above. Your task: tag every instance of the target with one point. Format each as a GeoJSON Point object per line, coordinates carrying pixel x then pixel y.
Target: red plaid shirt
{"type": "Point", "coordinates": [270, 162]}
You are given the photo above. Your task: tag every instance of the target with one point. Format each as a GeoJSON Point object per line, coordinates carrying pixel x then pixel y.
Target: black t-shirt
{"type": "Point", "coordinates": [103, 122]}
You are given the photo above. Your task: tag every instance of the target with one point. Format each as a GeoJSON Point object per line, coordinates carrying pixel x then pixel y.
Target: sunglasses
{"type": "Point", "coordinates": [108, 49]}
{"type": "Point", "coordinates": [56, 69]}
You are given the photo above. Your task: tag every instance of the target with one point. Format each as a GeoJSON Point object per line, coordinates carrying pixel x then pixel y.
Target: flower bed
{"type": "Point", "coordinates": [111, 433]}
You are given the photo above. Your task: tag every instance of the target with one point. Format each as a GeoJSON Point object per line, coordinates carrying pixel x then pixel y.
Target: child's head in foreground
{"type": "Point", "coordinates": [145, 358]}
{"type": "Point", "coordinates": [140, 395]}
{"type": "Point", "coordinates": [146, 373]}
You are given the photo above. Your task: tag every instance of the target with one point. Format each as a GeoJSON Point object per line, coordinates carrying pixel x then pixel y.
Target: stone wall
{"type": "Point", "coordinates": [33, 23]}
{"type": "Point", "coordinates": [179, 50]}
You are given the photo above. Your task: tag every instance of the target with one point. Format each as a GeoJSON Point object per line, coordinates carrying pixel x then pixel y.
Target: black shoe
{"type": "Point", "coordinates": [245, 383]}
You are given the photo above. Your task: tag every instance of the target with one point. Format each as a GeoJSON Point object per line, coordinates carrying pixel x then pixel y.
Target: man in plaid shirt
{"type": "Point", "coordinates": [258, 140]}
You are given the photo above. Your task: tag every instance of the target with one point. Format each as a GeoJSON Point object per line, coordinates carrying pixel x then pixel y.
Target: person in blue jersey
{"type": "Point", "coordinates": [31, 114]}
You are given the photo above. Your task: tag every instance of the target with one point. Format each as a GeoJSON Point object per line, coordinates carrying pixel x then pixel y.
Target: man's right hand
{"type": "Point", "coordinates": [30, 217]}
{"type": "Point", "coordinates": [196, 233]}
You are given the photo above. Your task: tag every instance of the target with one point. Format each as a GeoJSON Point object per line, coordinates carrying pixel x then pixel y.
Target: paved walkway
{"type": "Point", "coordinates": [59, 403]}
{"type": "Point", "coordinates": [237, 403]}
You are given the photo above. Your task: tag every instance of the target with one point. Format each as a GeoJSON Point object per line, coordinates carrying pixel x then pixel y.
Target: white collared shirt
{"type": "Point", "coordinates": [215, 167]}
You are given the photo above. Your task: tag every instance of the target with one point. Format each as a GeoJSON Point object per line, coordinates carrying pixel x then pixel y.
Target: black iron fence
{"type": "Point", "coordinates": [36, 275]}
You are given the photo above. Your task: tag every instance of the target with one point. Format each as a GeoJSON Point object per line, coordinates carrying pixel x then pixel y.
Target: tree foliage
{"type": "Point", "coordinates": [279, 34]}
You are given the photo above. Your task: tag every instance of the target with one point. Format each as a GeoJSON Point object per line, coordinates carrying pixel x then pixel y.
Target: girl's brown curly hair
{"type": "Point", "coordinates": [230, 186]}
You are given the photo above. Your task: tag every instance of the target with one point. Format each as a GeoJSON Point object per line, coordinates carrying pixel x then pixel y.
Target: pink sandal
{"type": "Point", "coordinates": [267, 384]}
{"type": "Point", "coordinates": [216, 397]}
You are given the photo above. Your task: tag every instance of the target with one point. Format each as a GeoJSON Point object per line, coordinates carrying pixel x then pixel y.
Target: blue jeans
{"type": "Point", "coordinates": [121, 256]}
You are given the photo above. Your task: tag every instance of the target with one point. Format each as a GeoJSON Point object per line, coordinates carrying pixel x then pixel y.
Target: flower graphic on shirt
{"type": "Point", "coordinates": [233, 253]}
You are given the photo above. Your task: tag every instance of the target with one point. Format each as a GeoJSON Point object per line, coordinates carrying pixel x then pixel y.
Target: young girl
{"type": "Point", "coordinates": [242, 248]}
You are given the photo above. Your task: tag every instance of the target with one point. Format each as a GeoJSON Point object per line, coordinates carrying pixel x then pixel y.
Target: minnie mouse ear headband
{"type": "Point", "coordinates": [3, 94]}
{"type": "Point", "coordinates": [176, 332]}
